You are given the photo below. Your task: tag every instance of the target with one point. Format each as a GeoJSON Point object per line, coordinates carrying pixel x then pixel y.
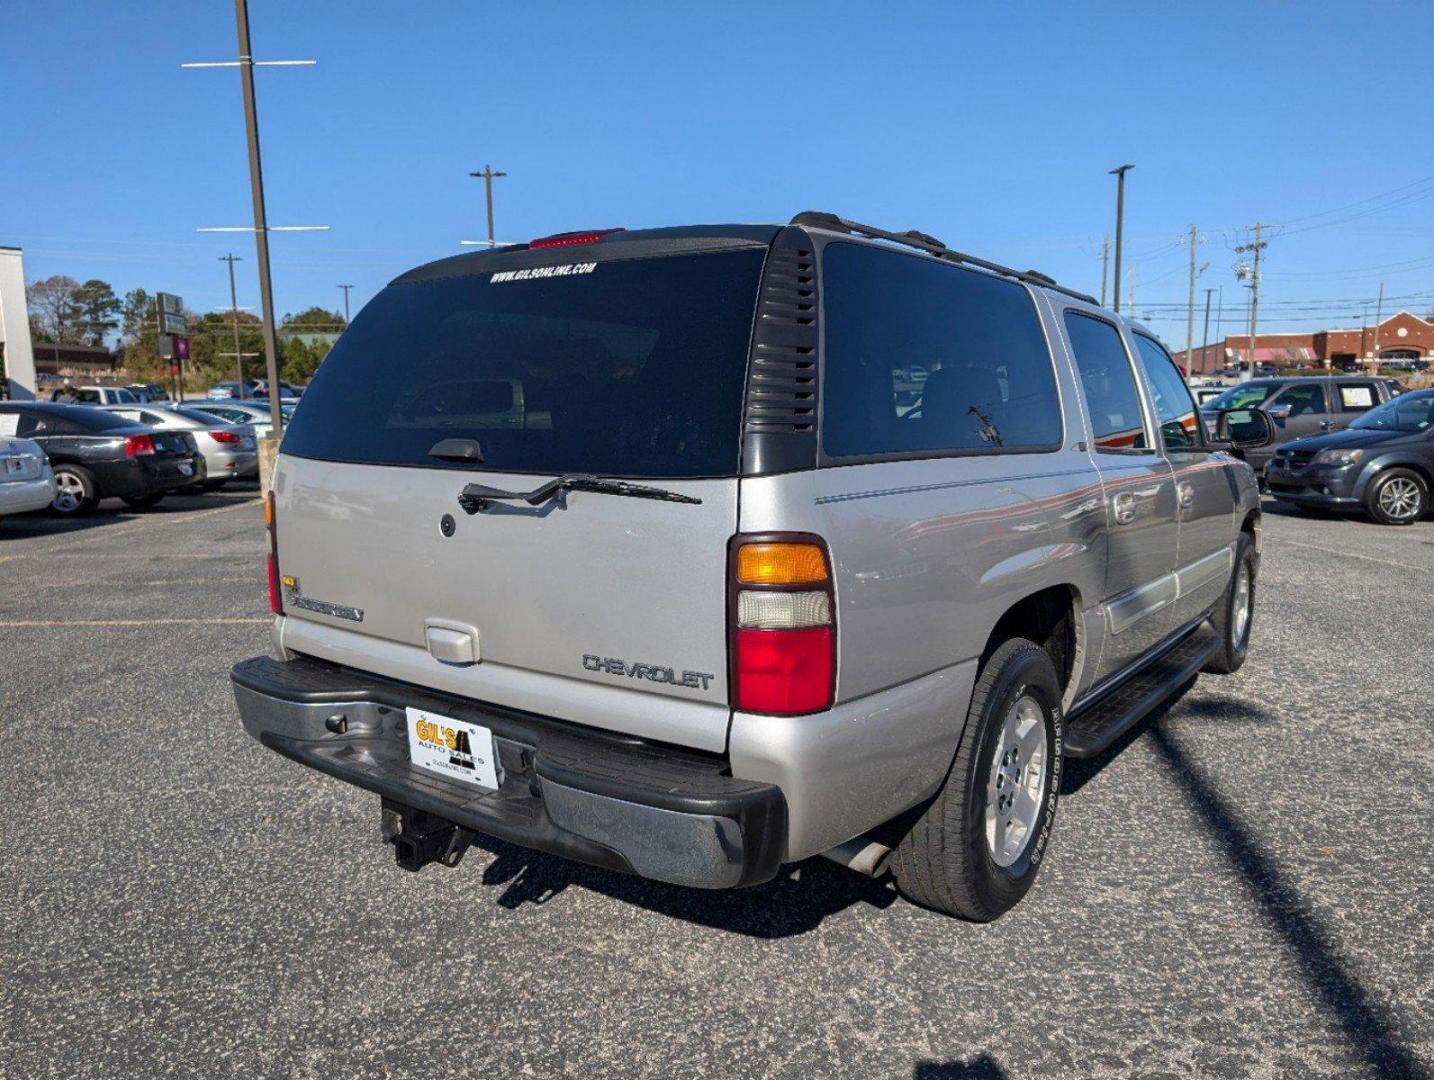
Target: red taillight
{"type": "Point", "coordinates": [782, 622]}
{"type": "Point", "coordinates": [225, 437]}
{"type": "Point", "coordinates": [572, 239]}
{"type": "Point", "coordinates": [138, 445]}
{"type": "Point", "coordinates": [783, 672]}
{"type": "Point", "coordinates": [276, 595]}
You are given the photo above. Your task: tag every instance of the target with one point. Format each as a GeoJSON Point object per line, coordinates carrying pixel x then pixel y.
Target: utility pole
{"type": "Point", "coordinates": [231, 259]}
{"type": "Point", "coordinates": [1205, 334]}
{"type": "Point", "coordinates": [1119, 174]}
{"type": "Point", "coordinates": [1364, 334]}
{"type": "Point", "coordinates": [488, 176]}
{"type": "Point", "coordinates": [1104, 266]}
{"type": "Point", "coordinates": [1378, 318]}
{"type": "Point", "coordinates": [1256, 246]}
{"type": "Point", "coordinates": [1220, 321]}
{"type": "Point", "coordinates": [261, 218]}
{"type": "Point", "coordinates": [1190, 313]}
{"type": "Point", "coordinates": [346, 289]}
{"type": "Point", "coordinates": [261, 229]}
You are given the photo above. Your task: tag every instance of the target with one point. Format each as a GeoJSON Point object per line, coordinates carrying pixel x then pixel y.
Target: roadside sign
{"type": "Point", "coordinates": [166, 346]}
{"type": "Point", "coordinates": [171, 314]}
{"type": "Point", "coordinates": [181, 348]}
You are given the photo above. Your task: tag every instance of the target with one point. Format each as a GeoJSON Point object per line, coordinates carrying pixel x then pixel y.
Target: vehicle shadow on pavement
{"type": "Point", "coordinates": [794, 902]}
{"type": "Point", "coordinates": [981, 1067]}
{"type": "Point", "coordinates": [113, 512]}
{"type": "Point", "coordinates": [1369, 1028]}
{"type": "Point", "coordinates": [1367, 1025]}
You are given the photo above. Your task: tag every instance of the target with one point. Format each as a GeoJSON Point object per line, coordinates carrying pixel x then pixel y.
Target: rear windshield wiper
{"type": "Point", "coordinates": [476, 496]}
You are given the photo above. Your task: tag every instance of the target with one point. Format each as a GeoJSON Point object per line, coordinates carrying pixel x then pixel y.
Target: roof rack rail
{"type": "Point", "coordinates": [925, 242]}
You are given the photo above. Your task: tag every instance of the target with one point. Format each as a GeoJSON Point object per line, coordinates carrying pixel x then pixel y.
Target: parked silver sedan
{"type": "Point", "coordinates": [26, 479]}
{"type": "Point", "coordinates": [229, 450]}
{"type": "Point", "coordinates": [249, 413]}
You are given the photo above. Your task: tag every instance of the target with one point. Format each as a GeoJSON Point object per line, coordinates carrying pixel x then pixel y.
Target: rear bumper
{"type": "Point", "coordinates": [620, 803]}
{"type": "Point", "coordinates": [22, 496]}
{"type": "Point", "coordinates": [136, 477]}
{"type": "Point", "coordinates": [240, 464]}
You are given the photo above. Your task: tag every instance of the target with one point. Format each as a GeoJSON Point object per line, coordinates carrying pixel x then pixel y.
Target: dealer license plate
{"type": "Point", "coordinates": [186, 469]}
{"type": "Point", "coordinates": [455, 749]}
{"type": "Point", "coordinates": [14, 465]}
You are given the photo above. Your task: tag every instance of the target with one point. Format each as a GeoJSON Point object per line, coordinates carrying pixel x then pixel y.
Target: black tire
{"type": "Point", "coordinates": [142, 502]}
{"type": "Point", "coordinates": [1235, 632]}
{"type": "Point", "coordinates": [946, 861]}
{"type": "Point", "coordinates": [1397, 497]}
{"type": "Point", "coordinates": [78, 495]}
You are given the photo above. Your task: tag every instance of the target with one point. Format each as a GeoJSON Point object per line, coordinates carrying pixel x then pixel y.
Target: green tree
{"type": "Point", "coordinates": [97, 311]}
{"type": "Point", "coordinates": [314, 320]}
{"type": "Point", "coordinates": [301, 359]}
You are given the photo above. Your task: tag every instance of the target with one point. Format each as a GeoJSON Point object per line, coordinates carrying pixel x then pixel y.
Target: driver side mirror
{"type": "Point", "coordinates": [1244, 429]}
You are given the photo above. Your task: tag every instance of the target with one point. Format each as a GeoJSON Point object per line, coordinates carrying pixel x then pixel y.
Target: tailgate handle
{"type": "Point", "coordinates": [451, 642]}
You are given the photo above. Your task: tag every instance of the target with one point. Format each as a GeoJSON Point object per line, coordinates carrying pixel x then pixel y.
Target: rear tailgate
{"type": "Point", "coordinates": [603, 610]}
{"type": "Point", "coordinates": [599, 608]}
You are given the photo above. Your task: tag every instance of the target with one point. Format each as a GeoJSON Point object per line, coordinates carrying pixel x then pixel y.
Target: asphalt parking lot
{"type": "Point", "coordinates": [1242, 888]}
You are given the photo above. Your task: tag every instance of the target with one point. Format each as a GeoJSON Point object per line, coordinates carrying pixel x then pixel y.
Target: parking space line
{"type": "Point", "coordinates": [1346, 554]}
{"type": "Point", "coordinates": [95, 623]}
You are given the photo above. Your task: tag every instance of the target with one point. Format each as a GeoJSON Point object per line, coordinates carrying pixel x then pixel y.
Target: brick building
{"type": "Point", "coordinates": [1404, 336]}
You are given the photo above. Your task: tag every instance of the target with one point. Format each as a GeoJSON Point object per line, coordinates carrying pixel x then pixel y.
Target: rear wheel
{"type": "Point", "coordinates": [76, 493]}
{"type": "Point", "coordinates": [976, 848]}
{"type": "Point", "coordinates": [1235, 613]}
{"type": "Point", "coordinates": [1397, 497]}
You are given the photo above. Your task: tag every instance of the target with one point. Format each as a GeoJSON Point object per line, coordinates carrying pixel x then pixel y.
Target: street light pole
{"type": "Point", "coordinates": [346, 289]}
{"type": "Point", "coordinates": [488, 176]}
{"type": "Point", "coordinates": [231, 259]}
{"type": "Point", "coordinates": [1205, 334]}
{"type": "Point", "coordinates": [261, 223]}
{"type": "Point", "coordinates": [1119, 175]}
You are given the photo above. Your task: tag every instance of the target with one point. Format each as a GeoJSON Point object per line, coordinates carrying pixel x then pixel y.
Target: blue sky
{"type": "Point", "coordinates": [990, 126]}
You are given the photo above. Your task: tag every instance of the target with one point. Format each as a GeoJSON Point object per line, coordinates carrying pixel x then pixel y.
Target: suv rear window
{"type": "Point", "coordinates": [624, 368]}
{"type": "Point", "coordinates": [925, 358]}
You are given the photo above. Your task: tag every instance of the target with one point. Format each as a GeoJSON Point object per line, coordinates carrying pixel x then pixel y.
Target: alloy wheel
{"type": "Point", "coordinates": [1017, 786]}
{"type": "Point", "coordinates": [1240, 607]}
{"type": "Point", "coordinates": [70, 493]}
{"type": "Point", "coordinates": [1400, 498]}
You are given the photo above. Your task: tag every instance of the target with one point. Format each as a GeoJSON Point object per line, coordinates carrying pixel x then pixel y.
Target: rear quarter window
{"type": "Point", "coordinates": [922, 358]}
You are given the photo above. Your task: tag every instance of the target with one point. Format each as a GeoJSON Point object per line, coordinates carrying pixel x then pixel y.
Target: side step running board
{"type": "Point", "coordinates": [1095, 727]}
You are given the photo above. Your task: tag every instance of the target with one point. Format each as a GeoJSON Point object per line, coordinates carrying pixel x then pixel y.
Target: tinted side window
{"type": "Point", "coordinates": [1173, 404]}
{"type": "Point", "coordinates": [1108, 381]}
{"type": "Point", "coordinates": [923, 357]}
{"type": "Point", "coordinates": [1302, 399]}
{"type": "Point", "coordinates": [1357, 396]}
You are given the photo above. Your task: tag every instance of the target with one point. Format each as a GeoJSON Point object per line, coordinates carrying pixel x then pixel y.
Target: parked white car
{"type": "Point", "coordinates": [95, 395]}
{"type": "Point", "coordinates": [26, 480]}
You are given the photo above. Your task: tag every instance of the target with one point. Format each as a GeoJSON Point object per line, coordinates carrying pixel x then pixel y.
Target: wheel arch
{"type": "Point", "coordinates": [1381, 465]}
{"type": "Point", "coordinates": [1051, 618]}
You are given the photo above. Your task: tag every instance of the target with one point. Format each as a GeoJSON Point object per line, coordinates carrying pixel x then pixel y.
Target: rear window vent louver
{"type": "Point", "coordinates": [782, 382]}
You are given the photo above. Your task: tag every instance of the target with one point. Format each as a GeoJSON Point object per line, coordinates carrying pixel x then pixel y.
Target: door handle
{"type": "Point", "coordinates": [1326, 425]}
{"type": "Point", "coordinates": [1123, 507]}
{"type": "Point", "coordinates": [1186, 492]}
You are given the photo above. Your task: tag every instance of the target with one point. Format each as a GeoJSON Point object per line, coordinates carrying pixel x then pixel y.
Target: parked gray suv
{"type": "Point", "coordinates": [691, 552]}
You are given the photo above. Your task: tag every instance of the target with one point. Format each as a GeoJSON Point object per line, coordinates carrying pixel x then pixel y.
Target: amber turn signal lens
{"type": "Point", "coordinates": [269, 511]}
{"type": "Point", "coordinates": [781, 564]}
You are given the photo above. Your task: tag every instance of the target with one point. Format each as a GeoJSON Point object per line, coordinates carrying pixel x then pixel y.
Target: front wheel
{"type": "Point", "coordinates": [975, 850]}
{"type": "Point", "coordinates": [1235, 613]}
{"type": "Point", "coordinates": [76, 493]}
{"type": "Point", "coordinates": [1397, 497]}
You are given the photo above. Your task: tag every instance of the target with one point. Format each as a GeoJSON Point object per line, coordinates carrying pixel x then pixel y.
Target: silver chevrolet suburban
{"type": "Point", "coordinates": [691, 552]}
